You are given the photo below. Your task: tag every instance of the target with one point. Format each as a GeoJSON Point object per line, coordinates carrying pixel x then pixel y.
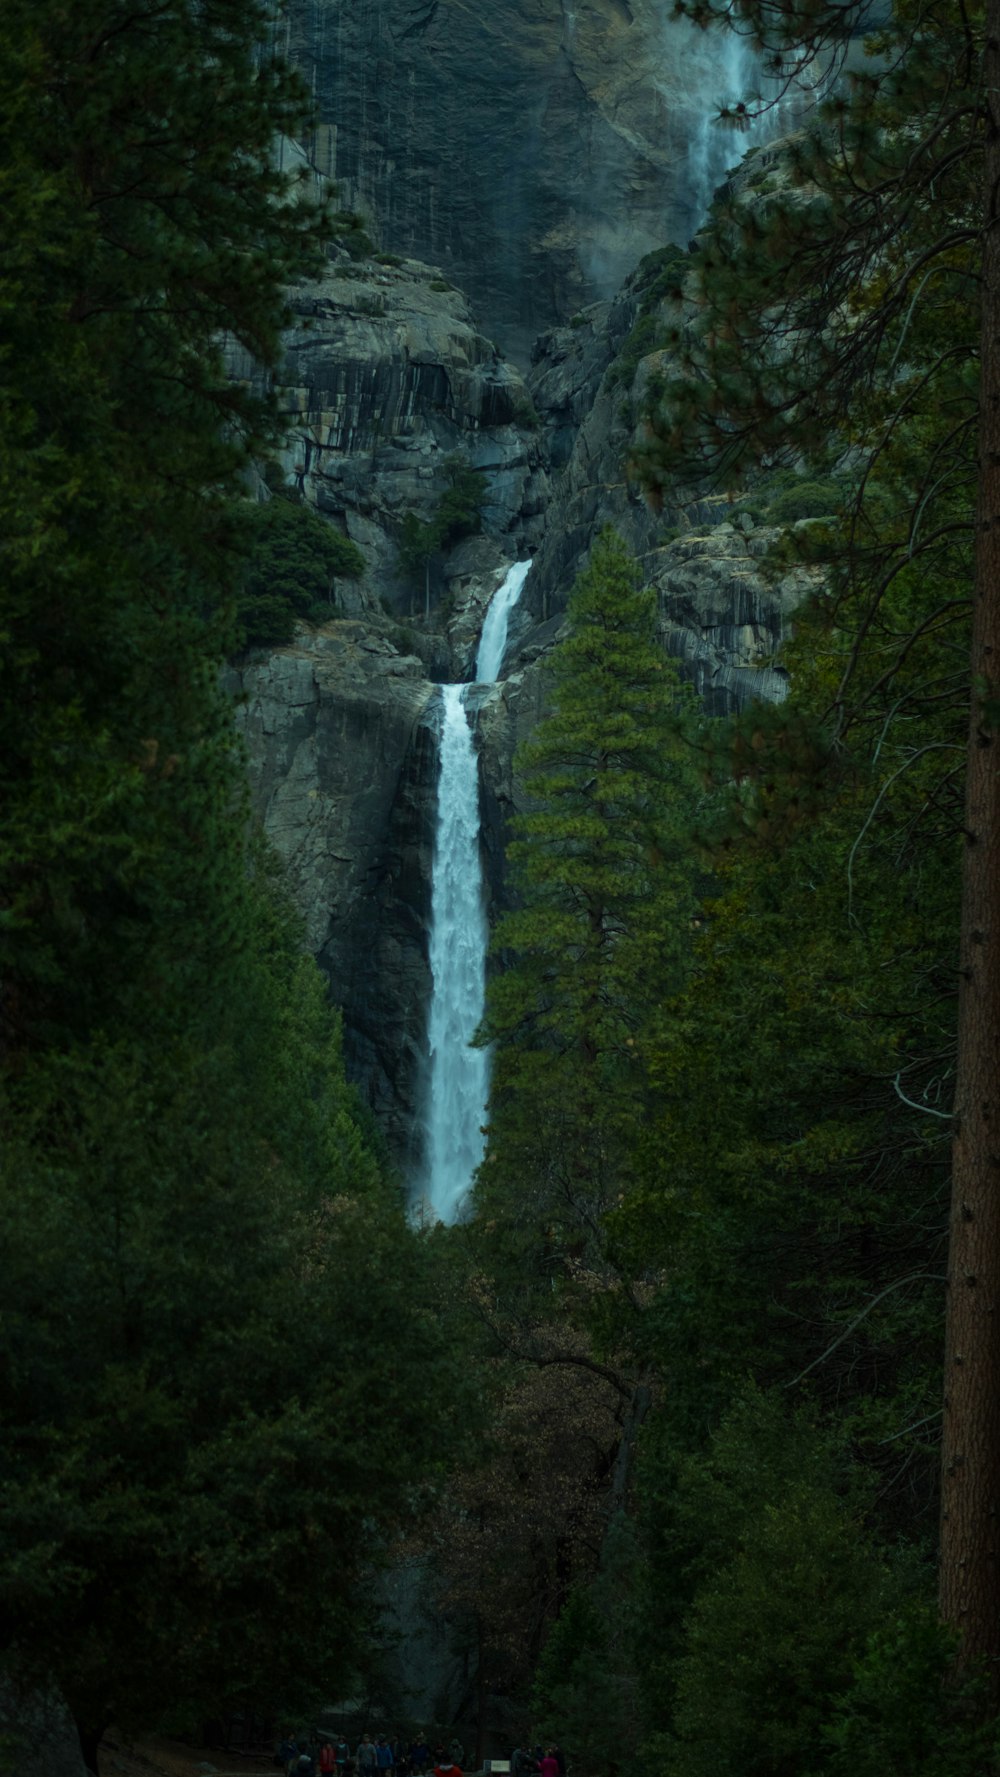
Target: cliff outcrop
{"type": "Point", "coordinates": [342, 759]}
{"type": "Point", "coordinates": [533, 148]}
{"type": "Point", "coordinates": [341, 732]}
{"type": "Point", "coordinates": [387, 383]}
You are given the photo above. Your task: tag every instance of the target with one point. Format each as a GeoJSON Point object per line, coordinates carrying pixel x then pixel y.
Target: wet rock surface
{"type": "Point", "coordinates": [387, 382]}
{"type": "Point", "coordinates": [534, 149]}
{"type": "Point", "coordinates": [342, 759]}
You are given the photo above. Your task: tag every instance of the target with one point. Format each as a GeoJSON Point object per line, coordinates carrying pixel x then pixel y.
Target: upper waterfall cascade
{"type": "Point", "coordinates": [493, 640]}
{"type": "Point", "coordinates": [730, 83]}
{"type": "Point", "coordinates": [458, 1078]}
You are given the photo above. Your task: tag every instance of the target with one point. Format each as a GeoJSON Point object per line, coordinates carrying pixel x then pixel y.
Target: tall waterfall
{"type": "Point", "coordinates": [726, 71]}
{"type": "Point", "coordinates": [458, 1077]}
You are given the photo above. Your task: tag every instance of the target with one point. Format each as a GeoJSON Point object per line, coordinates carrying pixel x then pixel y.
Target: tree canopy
{"type": "Point", "coordinates": [190, 1202]}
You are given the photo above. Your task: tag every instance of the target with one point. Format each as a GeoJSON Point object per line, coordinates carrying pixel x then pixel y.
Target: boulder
{"type": "Point", "coordinates": [38, 1736]}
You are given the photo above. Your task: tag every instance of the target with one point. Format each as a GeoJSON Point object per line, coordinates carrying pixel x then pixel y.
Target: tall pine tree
{"type": "Point", "coordinates": [604, 884]}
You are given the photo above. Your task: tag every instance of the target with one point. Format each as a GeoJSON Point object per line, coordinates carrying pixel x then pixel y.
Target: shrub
{"type": "Point", "coordinates": [293, 560]}
{"type": "Point", "coordinates": [525, 413]}
{"type": "Point", "coordinates": [804, 499]}
{"type": "Point", "coordinates": [353, 236]}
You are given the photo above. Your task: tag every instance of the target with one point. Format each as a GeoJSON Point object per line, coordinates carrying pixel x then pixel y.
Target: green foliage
{"type": "Point", "coordinates": [458, 514]}
{"type": "Point", "coordinates": [295, 557]}
{"type": "Point", "coordinates": [646, 335]}
{"type": "Point", "coordinates": [182, 1494]}
{"type": "Point", "coordinates": [904, 1710]}
{"type": "Point", "coordinates": [187, 1197]}
{"type": "Point", "coordinates": [804, 499]}
{"type": "Point", "coordinates": [772, 1587]}
{"type": "Point", "coordinates": [661, 274]}
{"type": "Point", "coordinates": [660, 277]}
{"type": "Point", "coordinates": [353, 235]}
{"type": "Point", "coordinates": [605, 892]}
{"type": "Point", "coordinates": [575, 1700]}
{"type": "Point", "coordinates": [525, 413]}
{"type": "Point", "coordinates": [584, 1694]}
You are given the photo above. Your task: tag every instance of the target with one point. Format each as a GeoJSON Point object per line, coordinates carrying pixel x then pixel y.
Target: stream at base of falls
{"type": "Point", "coordinates": [458, 1075]}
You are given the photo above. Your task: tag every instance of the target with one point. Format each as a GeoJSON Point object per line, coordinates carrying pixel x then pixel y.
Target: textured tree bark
{"type": "Point", "coordinates": [970, 1506]}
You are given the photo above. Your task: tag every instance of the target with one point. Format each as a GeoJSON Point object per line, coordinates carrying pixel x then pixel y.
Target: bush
{"type": "Point", "coordinates": [645, 337]}
{"type": "Point", "coordinates": [662, 274]}
{"type": "Point", "coordinates": [458, 514]}
{"type": "Point", "coordinates": [525, 413]}
{"type": "Point", "coordinates": [353, 236]}
{"type": "Point", "coordinates": [460, 509]}
{"type": "Point", "coordinates": [804, 499]}
{"type": "Point", "coordinates": [294, 558]}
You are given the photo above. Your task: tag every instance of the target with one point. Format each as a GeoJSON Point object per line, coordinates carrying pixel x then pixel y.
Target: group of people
{"type": "Point", "coordinates": [383, 1755]}
{"type": "Point", "coordinates": [537, 1761]}
{"type": "Point", "coordinates": [373, 1756]}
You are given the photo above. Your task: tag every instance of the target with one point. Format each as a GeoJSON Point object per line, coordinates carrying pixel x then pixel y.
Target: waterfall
{"type": "Point", "coordinates": [458, 1081]}
{"type": "Point", "coordinates": [493, 641]}
{"type": "Point", "coordinates": [458, 1077]}
{"type": "Point", "coordinates": [725, 71]}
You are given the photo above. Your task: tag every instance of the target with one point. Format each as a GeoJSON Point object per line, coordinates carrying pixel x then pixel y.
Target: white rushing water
{"type": "Point", "coordinates": [458, 1075]}
{"type": "Point", "coordinates": [493, 640]}
{"type": "Point", "coordinates": [725, 72]}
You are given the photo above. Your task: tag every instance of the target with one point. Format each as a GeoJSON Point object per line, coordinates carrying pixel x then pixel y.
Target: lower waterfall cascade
{"type": "Point", "coordinates": [458, 1074]}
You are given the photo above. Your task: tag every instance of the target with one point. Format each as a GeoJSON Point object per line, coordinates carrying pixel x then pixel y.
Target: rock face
{"type": "Point", "coordinates": [533, 148]}
{"type": "Point", "coordinates": [387, 382]}
{"type": "Point", "coordinates": [341, 732]}
{"type": "Point", "coordinates": [722, 612]}
{"type": "Point", "coordinates": [342, 760]}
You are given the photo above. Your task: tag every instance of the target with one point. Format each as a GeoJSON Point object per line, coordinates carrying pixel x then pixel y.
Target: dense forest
{"type": "Point", "coordinates": [664, 1413]}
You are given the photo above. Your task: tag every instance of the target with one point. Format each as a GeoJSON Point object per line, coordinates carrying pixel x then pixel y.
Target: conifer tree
{"type": "Point", "coordinates": [605, 895]}
{"type": "Point", "coordinates": [861, 304]}
{"type": "Point", "coordinates": [187, 1196]}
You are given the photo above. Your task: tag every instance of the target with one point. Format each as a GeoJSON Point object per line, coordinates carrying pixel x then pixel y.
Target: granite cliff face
{"type": "Point", "coordinates": [534, 149]}
{"type": "Point", "coordinates": [386, 380]}
{"type": "Point", "coordinates": [342, 757]}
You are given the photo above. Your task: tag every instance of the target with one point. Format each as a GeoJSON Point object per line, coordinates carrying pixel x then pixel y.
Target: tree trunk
{"type": "Point", "coordinates": [638, 1408]}
{"type": "Point", "coordinates": [970, 1486]}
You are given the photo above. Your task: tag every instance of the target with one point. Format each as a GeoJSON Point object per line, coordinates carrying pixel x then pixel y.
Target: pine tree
{"type": "Point", "coordinates": [861, 304]}
{"type": "Point", "coordinates": [186, 1404]}
{"type": "Point", "coordinates": [601, 930]}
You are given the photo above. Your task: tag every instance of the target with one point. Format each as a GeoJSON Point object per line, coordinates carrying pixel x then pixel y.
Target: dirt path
{"type": "Point", "coordinates": [156, 1757]}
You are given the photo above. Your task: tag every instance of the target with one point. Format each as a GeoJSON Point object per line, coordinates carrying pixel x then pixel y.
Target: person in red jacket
{"type": "Point", "coordinates": [549, 1766]}
{"type": "Point", "coordinates": [327, 1759]}
{"type": "Point", "coordinates": [445, 1768]}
